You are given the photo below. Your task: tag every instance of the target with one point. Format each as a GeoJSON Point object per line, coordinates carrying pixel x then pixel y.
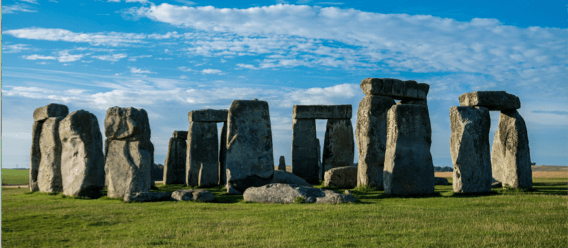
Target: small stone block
{"type": "Point", "coordinates": [180, 135]}
{"type": "Point", "coordinates": [208, 115]}
{"type": "Point", "coordinates": [323, 111]}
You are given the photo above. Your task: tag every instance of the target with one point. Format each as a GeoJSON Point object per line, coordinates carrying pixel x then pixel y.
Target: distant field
{"type": "Point", "coordinates": [10, 176]}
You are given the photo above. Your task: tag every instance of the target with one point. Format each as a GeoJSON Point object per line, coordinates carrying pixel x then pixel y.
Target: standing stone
{"type": "Point", "coordinates": [282, 164]}
{"type": "Point", "coordinates": [223, 155]}
{"type": "Point", "coordinates": [40, 115]}
{"type": "Point", "coordinates": [82, 161]}
{"type": "Point", "coordinates": [338, 147]}
{"type": "Point", "coordinates": [250, 158]}
{"type": "Point", "coordinates": [469, 147]}
{"type": "Point", "coordinates": [371, 134]}
{"type": "Point", "coordinates": [174, 166]}
{"type": "Point", "coordinates": [49, 174]}
{"type": "Point", "coordinates": [202, 154]}
{"type": "Point", "coordinates": [510, 157]}
{"type": "Point", "coordinates": [320, 166]}
{"type": "Point", "coordinates": [408, 161]}
{"type": "Point", "coordinates": [304, 150]}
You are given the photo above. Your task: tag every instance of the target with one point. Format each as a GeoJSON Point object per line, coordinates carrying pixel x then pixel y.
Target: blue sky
{"type": "Point", "coordinates": [171, 57]}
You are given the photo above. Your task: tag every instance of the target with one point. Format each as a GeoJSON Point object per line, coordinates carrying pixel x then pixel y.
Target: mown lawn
{"type": "Point", "coordinates": [504, 218]}
{"type": "Point", "coordinates": [10, 176]}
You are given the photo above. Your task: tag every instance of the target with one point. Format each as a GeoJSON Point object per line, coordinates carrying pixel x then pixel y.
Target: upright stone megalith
{"type": "Point", "coordinates": [282, 164]}
{"type": "Point", "coordinates": [202, 154]}
{"type": "Point", "coordinates": [40, 115]}
{"type": "Point", "coordinates": [510, 157]}
{"type": "Point", "coordinates": [371, 135]}
{"type": "Point", "coordinates": [408, 161]}
{"type": "Point", "coordinates": [129, 152]}
{"type": "Point", "coordinates": [469, 148]}
{"type": "Point", "coordinates": [304, 150]}
{"type": "Point", "coordinates": [223, 155]}
{"type": "Point", "coordinates": [49, 174]}
{"type": "Point", "coordinates": [339, 146]}
{"type": "Point", "coordinates": [250, 158]}
{"type": "Point", "coordinates": [174, 166]}
{"type": "Point", "coordinates": [82, 160]}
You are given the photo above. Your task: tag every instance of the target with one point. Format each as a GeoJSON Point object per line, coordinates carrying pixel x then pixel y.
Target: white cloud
{"type": "Point", "coordinates": [247, 66]}
{"type": "Point", "coordinates": [11, 9]}
{"type": "Point", "coordinates": [134, 58]}
{"type": "Point", "coordinates": [55, 34]}
{"type": "Point", "coordinates": [15, 48]}
{"type": "Point", "coordinates": [113, 57]}
{"type": "Point", "coordinates": [138, 71]}
{"type": "Point", "coordinates": [64, 56]}
{"type": "Point", "coordinates": [186, 2]}
{"type": "Point", "coordinates": [30, 1]}
{"type": "Point", "coordinates": [36, 57]}
{"type": "Point", "coordinates": [211, 71]}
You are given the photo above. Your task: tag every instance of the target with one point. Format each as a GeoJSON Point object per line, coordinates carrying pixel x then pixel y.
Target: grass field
{"type": "Point", "coordinates": [504, 218]}
{"type": "Point", "coordinates": [15, 176]}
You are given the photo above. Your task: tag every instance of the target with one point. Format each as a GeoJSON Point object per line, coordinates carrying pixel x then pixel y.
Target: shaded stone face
{"type": "Point", "coordinates": [469, 148]}
{"type": "Point", "coordinates": [492, 100]}
{"type": "Point", "coordinates": [223, 155]}
{"type": "Point", "coordinates": [510, 155]}
{"type": "Point", "coordinates": [174, 166]}
{"type": "Point", "coordinates": [202, 154]}
{"type": "Point", "coordinates": [180, 135]}
{"type": "Point", "coordinates": [395, 88]}
{"type": "Point", "coordinates": [323, 111]}
{"type": "Point", "coordinates": [82, 160]}
{"type": "Point", "coordinates": [250, 158]}
{"type": "Point", "coordinates": [128, 167]}
{"type": "Point", "coordinates": [339, 146]}
{"type": "Point", "coordinates": [127, 124]}
{"type": "Point", "coordinates": [282, 164]}
{"type": "Point", "coordinates": [49, 173]}
{"type": "Point", "coordinates": [408, 161]}
{"type": "Point", "coordinates": [304, 150]}
{"type": "Point", "coordinates": [50, 110]}
{"type": "Point", "coordinates": [371, 135]}
{"type": "Point", "coordinates": [342, 177]}
{"type": "Point", "coordinates": [208, 115]}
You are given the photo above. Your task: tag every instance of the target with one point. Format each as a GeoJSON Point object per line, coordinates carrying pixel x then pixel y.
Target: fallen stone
{"type": "Point", "coordinates": [128, 168]}
{"type": "Point", "coordinates": [148, 196]}
{"type": "Point", "coordinates": [408, 162]}
{"type": "Point", "coordinates": [510, 155]}
{"type": "Point", "coordinates": [282, 164]}
{"type": "Point", "coordinates": [223, 156]}
{"type": "Point", "coordinates": [50, 110]}
{"type": "Point", "coordinates": [287, 193]}
{"type": "Point", "coordinates": [395, 88]}
{"type": "Point", "coordinates": [342, 177]}
{"type": "Point", "coordinates": [49, 174]}
{"type": "Point", "coordinates": [198, 195]}
{"type": "Point", "coordinates": [371, 135]}
{"type": "Point", "coordinates": [492, 100]}
{"type": "Point", "coordinates": [322, 111]}
{"type": "Point", "coordinates": [441, 181]}
{"type": "Point", "coordinates": [339, 145]}
{"type": "Point", "coordinates": [250, 158]}
{"type": "Point", "coordinates": [208, 115]}
{"type": "Point", "coordinates": [304, 150]}
{"type": "Point", "coordinates": [82, 160]}
{"type": "Point", "coordinates": [202, 154]}
{"type": "Point", "coordinates": [180, 135]}
{"type": "Point", "coordinates": [469, 148]}
{"type": "Point", "coordinates": [174, 166]}
{"type": "Point", "coordinates": [127, 124]}
{"type": "Point", "coordinates": [288, 178]}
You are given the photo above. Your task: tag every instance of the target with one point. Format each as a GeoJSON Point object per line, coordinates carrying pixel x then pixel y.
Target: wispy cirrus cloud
{"type": "Point", "coordinates": [56, 34]}
{"type": "Point", "coordinates": [138, 71]}
{"type": "Point", "coordinates": [112, 57]}
{"type": "Point", "coordinates": [18, 7]}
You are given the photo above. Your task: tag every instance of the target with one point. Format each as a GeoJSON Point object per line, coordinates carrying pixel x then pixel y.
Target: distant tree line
{"type": "Point", "coordinates": [443, 169]}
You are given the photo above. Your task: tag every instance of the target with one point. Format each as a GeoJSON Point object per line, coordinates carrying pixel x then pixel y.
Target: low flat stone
{"type": "Point", "coordinates": [395, 88]}
{"type": "Point", "coordinates": [441, 181]}
{"type": "Point", "coordinates": [50, 110]}
{"type": "Point", "coordinates": [288, 178]}
{"type": "Point", "coordinates": [127, 124]}
{"type": "Point", "coordinates": [492, 100]}
{"type": "Point", "coordinates": [208, 115]}
{"type": "Point", "coordinates": [287, 193]}
{"type": "Point", "coordinates": [180, 135]}
{"type": "Point", "coordinates": [148, 196]}
{"type": "Point", "coordinates": [342, 177]}
{"type": "Point", "coordinates": [323, 111]}
{"type": "Point", "coordinates": [198, 195]}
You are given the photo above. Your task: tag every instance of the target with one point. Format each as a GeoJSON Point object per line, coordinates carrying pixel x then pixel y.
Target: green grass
{"type": "Point", "coordinates": [503, 218]}
{"type": "Point", "coordinates": [15, 176]}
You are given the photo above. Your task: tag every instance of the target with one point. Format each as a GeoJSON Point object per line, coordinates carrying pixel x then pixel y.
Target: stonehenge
{"type": "Point", "coordinates": [338, 147]}
{"type": "Point", "coordinates": [282, 164]}
{"type": "Point", "coordinates": [174, 166]}
{"type": "Point", "coordinates": [342, 177]}
{"type": "Point", "coordinates": [205, 160]}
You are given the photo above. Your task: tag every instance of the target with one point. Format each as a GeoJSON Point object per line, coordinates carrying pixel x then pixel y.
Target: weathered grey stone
{"type": "Point", "coordinates": [371, 135]}
{"type": "Point", "coordinates": [395, 88]}
{"type": "Point", "coordinates": [50, 110]}
{"type": "Point", "coordinates": [492, 100]}
{"type": "Point", "coordinates": [408, 161]}
{"type": "Point", "coordinates": [127, 124]}
{"type": "Point", "coordinates": [174, 166]}
{"type": "Point", "coordinates": [441, 181]}
{"type": "Point", "coordinates": [342, 177]}
{"type": "Point", "coordinates": [82, 161]}
{"type": "Point", "coordinates": [128, 167]}
{"type": "Point", "coordinates": [289, 178]}
{"type": "Point", "coordinates": [49, 174]}
{"type": "Point", "coordinates": [198, 195]}
{"type": "Point", "coordinates": [320, 166]}
{"type": "Point", "coordinates": [469, 148]}
{"type": "Point", "coordinates": [287, 193]}
{"type": "Point", "coordinates": [202, 154]}
{"type": "Point", "coordinates": [208, 115]}
{"type": "Point", "coordinates": [180, 135]}
{"type": "Point", "coordinates": [304, 150]}
{"type": "Point", "coordinates": [250, 158]}
{"type": "Point", "coordinates": [339, 145]}
{"type": "Point", "coordinates": [35, 156]}
{"type": "Point", "coordinates": [413, 101]}
{"type": "Point", "coordinates": [223, 155]}
{"type": "Point", "coordinates": [147, 196]}
{"type": "Point", "coordinates": [282, 164]}
{"type": "Point", "coordinates": [323, 111]}
{"type": "Point", "coordinates": [510, 155]}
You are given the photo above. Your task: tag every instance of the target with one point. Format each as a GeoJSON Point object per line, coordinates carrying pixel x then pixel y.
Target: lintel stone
{"type": "Point", "coordinates": [492, 100]}
{"type": "Point", "coordinates": [180, 135]}
{"type": "Point", "coordinates": [323, 111]}
{"type": "Point", "coordinates": [50, 110]}
{"type": "Point", "coordinates": [208, 115]}
{"type": "Point", "coordinates": [395, 88]}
